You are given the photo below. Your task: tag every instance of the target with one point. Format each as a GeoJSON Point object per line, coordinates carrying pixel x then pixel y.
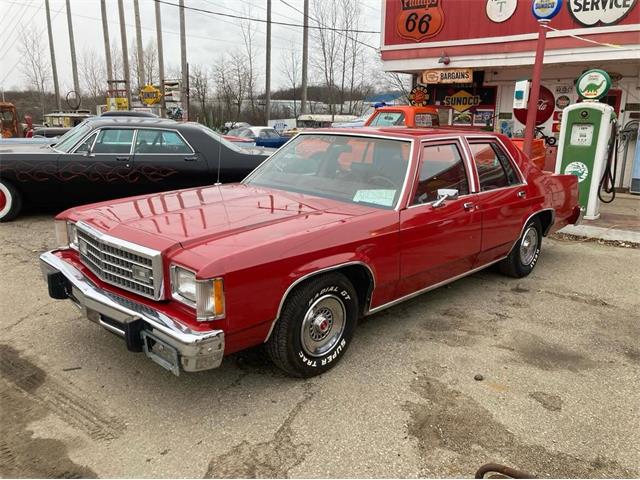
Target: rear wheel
{"type": "Point", "coordinates": [315, 327]}
{"type": "Point", "coordinates": [524, 255]}
{"type": "Point", "coordinates": [10, 201]}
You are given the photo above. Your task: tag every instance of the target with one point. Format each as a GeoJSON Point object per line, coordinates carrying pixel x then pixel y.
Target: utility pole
{"type": "Point", "coordinates": [163, 105]}
{"type": "Point", "coordinates": [267, 96]}
{"type": "Point", "coordinates": [305, 57]}
{"type": "Point", "coordinates": [74, 64]}
{"type": "Point", "coordinates": [136, 12]}
{"type": "Point", "coordinates": [54, 69]}
{"type": "Point", "coordinates": [183, 65]}
{"type": "Point", "coordinates": [125, 51]}
{"type": "Point", "coordinates": [107, 43]}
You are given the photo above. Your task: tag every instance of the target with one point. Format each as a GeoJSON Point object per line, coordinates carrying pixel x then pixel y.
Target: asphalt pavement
{"type": "Point", "coordinates": [558, 354]}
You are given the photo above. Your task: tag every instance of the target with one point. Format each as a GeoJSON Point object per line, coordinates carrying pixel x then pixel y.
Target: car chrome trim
{"type": "Point", "coordinates": [467, 158]}
{"type": "Point", "coordinates": [154, 255]}
{"type": "Point", "coordinates": [311, 274]}
{"type": "Point", "coordinates": [524, 225]}
{"type": "Point", "coordinates": [431, 287]}
{"type": "Point", "coordinates": [199, 350]}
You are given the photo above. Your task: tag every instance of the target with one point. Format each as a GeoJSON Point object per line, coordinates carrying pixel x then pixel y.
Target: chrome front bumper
{"type": "Point", "coordinates": [164, 340]}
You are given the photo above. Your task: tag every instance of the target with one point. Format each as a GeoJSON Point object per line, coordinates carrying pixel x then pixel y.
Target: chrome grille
{"type": "Point", "coordinates": [136, 271]}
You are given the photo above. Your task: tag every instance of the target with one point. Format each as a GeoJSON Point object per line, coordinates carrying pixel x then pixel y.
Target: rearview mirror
{"type": "Point", "coordinates": [445, 194]}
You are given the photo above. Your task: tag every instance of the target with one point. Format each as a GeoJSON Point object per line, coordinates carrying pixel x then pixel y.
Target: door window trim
{"type": "Point", "coordinates": [464, 154]}
{"type": "Point", "coordinates": [470, 139]}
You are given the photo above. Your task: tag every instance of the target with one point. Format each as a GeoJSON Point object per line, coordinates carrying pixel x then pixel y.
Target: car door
{"type": "Point", "coordinates": [99, 168]}
{"type": "Point", "coordinates": [502, 198]}
{"type": "Point", "coordinates": [438, 243]}
{"type": "Point", "coordinates": [164, 160]}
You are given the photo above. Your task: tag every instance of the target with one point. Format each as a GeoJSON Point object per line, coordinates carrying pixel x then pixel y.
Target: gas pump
{"type": "Point", "coordinates": [586, 147]}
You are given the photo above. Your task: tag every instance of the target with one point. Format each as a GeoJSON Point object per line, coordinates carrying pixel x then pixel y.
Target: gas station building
{"type": "Point", "coordinates": [470, 53]}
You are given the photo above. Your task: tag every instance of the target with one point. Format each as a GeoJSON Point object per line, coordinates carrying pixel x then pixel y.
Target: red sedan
{"type": "Point", "coordinates": [335, 225]}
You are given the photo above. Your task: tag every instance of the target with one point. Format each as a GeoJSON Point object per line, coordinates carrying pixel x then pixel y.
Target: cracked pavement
{"type": "Point", "coordinates": [559, 353]}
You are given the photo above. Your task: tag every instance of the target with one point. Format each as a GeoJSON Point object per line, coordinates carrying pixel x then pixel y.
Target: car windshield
{"type": "Point", "coordinates": [387, 119]}
{"type": "Point", "coordinates": [219, 138]}
{"type": "Point", "coordinates": [69, 139]}
{"type": "Point", "coordinates": [354, 169]}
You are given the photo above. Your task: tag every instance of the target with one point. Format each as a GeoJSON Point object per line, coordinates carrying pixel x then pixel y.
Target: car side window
{"type": "Point", "coordinates": [442, 167]}
{"type": "Point", "coordinates": [494, 168]}
{"type": "Point", "coordinates": [152, 141]}
{"type": "Point", "coordinates": [113, 140]}
{"type": "Point", "coordinates": [85, 146]}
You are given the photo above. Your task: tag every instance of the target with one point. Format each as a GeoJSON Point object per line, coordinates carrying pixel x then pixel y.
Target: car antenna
{"type": "Point", "coordinates": [219, 155]}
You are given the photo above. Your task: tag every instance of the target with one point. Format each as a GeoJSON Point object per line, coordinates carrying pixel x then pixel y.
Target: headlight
{"type": "Point", "coordinates": [206, 296]}
{"type": "Point", "coordinates": [66, 234]}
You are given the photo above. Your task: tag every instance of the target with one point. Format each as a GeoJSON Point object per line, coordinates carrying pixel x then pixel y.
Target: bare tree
{"type": "Point", "coordinates": [291, 69]}
{"type": "Point", "coordinates": [35, 65]}
{"type": "Point", "coordinates": [329, 44]}
{"type": "Point", "coordinates": [200, 88]}
{"type": "Point", "coordinates": [400, 82]}
{"type": "Point", "coordinates": [250, 52]}
{"type": "Point", "coordinates": [93, 75]}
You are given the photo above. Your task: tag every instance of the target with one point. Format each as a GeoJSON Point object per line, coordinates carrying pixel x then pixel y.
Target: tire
{"type": "Point", "coordinates": [524, 255]}
{"type": "Point", "coordinates": [315, 326]}
{"type": "Point", "coordinates": [10, 201]}
{"type": "Point", "coordinates": [551, 141]}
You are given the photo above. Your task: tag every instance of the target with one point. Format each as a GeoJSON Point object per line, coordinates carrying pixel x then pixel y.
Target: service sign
{"type": "Point", "coordinates": [546, 9]}
{"type": "Point", "coordinates": [602, 12]}
{"type": "Point", "coordinates": [500, 11]}
{"type": "Point", "coordinates": [448, 75]}
{"type": "Point", "coordinates": [462, 101]}
{"type": "Point", "coordinates": [419, 96]}
{"type": "Point", "coordinates": [593, 84]}
{"type": "Point", "coordinates": [420, 19]}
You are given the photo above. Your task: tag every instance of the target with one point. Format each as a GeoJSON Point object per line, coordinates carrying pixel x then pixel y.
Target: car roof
{"type": "Point", "coordinates": [130, 122]}
{"type": "Point", "coordinates": [409, 133]}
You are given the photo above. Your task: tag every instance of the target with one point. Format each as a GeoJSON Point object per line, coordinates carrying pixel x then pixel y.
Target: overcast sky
{"type": "Point", "coordinates": [207, 35]}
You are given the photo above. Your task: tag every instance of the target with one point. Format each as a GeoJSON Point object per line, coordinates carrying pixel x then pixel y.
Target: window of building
{"type": "Point", "coordinates": [442, 167]}
{"type": "Point", "coordinates": [494, 168]}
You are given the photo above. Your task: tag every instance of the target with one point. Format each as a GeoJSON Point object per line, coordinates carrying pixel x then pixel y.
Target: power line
{"type": "Point", "coordinates": [339, 31]}
{"type": "Point", "coordinates": [16, 25]}
{"type": "Point", "coordinates": [252, 19]}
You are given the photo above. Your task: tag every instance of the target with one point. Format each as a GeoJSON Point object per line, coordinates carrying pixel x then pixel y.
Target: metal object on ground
{"type": "Point", "coordinates": [495, 470]}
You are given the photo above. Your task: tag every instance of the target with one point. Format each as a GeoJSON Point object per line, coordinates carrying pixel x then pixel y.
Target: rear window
{"type": "Point", "coordinates": [388, 119]}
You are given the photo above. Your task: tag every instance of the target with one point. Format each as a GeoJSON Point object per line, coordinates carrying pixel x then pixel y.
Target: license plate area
{"type": "Point", "coordinates": [160, 352]}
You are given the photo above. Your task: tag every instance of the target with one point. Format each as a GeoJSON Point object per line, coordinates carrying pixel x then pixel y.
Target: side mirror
{"type": "Point", "coordinates": [445, 194]}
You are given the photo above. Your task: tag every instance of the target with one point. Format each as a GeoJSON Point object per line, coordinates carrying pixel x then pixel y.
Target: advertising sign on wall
{"type": "Point", "coordinates": [420, 19]}
{"type": "Point", "coordinates": [501, 10]}
{"type": "Point", "coordinates": [546, 106]}
{"type": "Point", "coordinates": [606, 12]}
{"type": "Point", "coordinates": [448, 75]}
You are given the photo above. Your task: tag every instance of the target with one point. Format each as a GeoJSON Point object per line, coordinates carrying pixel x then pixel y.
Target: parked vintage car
{"type": "Point", "coordinates": [262, 136]}
{"type": "Point", "coordinates": [113, 157]}
{"type": "Point", "coordinates": [337, 224]}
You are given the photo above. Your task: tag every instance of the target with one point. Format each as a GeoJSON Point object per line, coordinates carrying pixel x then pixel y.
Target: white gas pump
{"type": "Point", "coordinates": [586, 133]}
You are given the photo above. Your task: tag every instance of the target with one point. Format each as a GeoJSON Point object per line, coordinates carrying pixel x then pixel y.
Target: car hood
{"type": "Point", "coordinates": [28, 146]}
{"type": "Point", "coordinates": [187, 218]}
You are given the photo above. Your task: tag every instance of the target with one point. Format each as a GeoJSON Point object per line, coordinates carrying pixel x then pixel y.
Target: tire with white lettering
{"type": "Point", "coordinates": [524, 255]}
{"type": "Point", "coordinates": [10, 201]}
{"type": "Point", "coordinates": [315, 327]}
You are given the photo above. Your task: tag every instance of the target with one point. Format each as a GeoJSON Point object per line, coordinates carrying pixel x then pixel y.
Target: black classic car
{"type": "Point", "coordinates": [104, 158]}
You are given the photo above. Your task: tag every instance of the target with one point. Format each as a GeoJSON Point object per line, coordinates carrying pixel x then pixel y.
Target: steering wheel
{"type": "Point", "coordinates": [381, 181]}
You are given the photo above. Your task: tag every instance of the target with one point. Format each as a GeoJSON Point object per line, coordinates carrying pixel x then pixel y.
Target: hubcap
{"type": "Point", "coordinates": [528, 246]}
{"type": "Point", "coordinates": [323, 325]}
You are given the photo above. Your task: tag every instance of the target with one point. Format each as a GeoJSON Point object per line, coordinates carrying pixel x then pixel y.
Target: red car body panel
{"type": "Point", "coordinates": [261, 241]}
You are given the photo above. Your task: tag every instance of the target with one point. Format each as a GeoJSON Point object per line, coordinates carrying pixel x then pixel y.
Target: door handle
{"type": "Point", "coordinates": [522, 193]}
{"type": "Point", "coordinates": [122, 159]}
{"type": "Point", "coordinates": [190, 159]}
{"type": "Point", "coordinates": [468, 206]}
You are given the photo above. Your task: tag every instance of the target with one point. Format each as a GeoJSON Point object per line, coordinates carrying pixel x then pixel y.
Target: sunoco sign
{"type": "Point", "coordinates": [595, 12]}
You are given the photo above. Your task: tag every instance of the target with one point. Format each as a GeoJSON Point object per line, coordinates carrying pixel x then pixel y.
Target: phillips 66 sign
{"type": "Point", "coordinates": [420, 19]}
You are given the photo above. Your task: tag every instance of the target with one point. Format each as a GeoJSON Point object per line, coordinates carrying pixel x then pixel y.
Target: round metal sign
{"type": "Point", "coordinates": [499, 11]}
{"type": "Point", "coordinates": [150, 95]}
{"type": "Point", "coordinates": [593, 84]}
{"type": "Point", "coordinates": [545, 9]}
{"type": "Point", "coordinates": [419, 96]}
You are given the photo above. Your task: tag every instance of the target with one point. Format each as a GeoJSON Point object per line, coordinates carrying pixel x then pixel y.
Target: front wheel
{"type": "Point", "coordinates": [10, 201]}
{"type": "Point", "coordinates": [315, 327]}
{"type": "Point", "coordinates": [524, 255]}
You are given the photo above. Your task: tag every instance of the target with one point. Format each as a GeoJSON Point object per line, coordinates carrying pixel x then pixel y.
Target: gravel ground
{"type": "Point", "coordinates": [559, 354]}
